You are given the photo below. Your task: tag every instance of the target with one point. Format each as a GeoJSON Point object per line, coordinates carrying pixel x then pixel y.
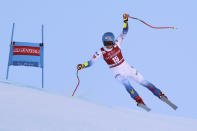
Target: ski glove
{"type": "Point", "coordinates": [125, 17]}
{"type": "Point", "coordinates": [80, 66]}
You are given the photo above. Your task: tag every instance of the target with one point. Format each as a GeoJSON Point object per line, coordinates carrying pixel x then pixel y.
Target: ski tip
{"type": "Point", "coordinates": [148, 110]}
{"type": "Point", "coordinates": [175, 108]}
{"type": "Point", "coordinates": [172, 105]}
{"type": "Point", "coordinates": [143, 106]}
{"type": "Point", "coordinates": [72, 96]}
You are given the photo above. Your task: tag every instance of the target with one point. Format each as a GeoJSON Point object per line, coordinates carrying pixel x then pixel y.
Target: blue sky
{"type": "Point", "coordinates": [73, 31]}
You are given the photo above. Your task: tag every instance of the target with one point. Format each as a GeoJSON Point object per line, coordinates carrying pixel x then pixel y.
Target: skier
{"type": "Point", "coordinates": [122, 71]}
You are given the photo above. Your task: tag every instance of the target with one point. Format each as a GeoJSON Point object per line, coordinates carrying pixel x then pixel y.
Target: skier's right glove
{"type": "Point", "coordinates": [125, 25]}
{"type": "Point", "coordinates": [80, 66]}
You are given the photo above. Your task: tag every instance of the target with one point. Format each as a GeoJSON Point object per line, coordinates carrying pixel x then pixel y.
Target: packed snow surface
{"type": "Point", "coordinates": [24, 108]}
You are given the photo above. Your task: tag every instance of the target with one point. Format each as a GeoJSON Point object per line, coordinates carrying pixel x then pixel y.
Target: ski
{"type": "Point", "coordinates": [144, 107]}
{"type": "Point", "coordinates": [172, 105]}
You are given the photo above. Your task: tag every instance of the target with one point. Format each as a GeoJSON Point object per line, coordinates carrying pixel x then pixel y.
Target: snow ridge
{"type": "Point", "coordinates": [25, 108]}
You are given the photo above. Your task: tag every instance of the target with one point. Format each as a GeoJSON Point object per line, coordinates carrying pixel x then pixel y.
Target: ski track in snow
{"type": "Point", "coordinates": [24, 108]}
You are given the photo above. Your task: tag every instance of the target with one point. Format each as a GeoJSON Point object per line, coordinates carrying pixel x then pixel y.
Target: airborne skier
{"type": "Point", "coordinates": [122, 71]}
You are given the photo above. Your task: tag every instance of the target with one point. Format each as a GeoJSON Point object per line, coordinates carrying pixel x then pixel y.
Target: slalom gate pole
{"type": "Point", "coordinates": [12, 36]}
{"type": "Point", "coordinates": [77, 83]}
{"type": "Point", "coordinates": [150, 25]}
{"type": "Point", "coordinates": [43, 56]}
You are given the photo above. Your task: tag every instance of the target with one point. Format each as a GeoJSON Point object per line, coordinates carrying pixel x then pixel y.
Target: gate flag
{"type": "Point", "coordinates": [26, 54]}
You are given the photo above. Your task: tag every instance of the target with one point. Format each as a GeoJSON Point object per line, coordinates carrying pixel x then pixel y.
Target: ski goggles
{"type": "Point", "coordinates": [107, 43]}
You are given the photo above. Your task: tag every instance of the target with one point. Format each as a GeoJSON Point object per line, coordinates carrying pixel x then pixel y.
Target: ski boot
{"type": "Point", "coordinates": [139, 100]}
{"type": "Point", "coordinates": [161, 95]}
{"type": "Point", "coordinates": [141, 104]}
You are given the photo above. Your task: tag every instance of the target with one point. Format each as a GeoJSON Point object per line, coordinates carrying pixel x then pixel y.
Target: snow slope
{"type": "Point", "coordinates": [24, 108]}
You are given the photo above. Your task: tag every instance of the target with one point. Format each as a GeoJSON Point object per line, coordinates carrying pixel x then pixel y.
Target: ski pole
{"type": "Point", "coordinates": [77, 83]}
{"type": "Point", "coordinates": [152, 26]}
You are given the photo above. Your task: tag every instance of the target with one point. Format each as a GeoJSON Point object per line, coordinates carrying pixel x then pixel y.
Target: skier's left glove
{"type": "Point", "coordinates": [80, 66]}
{"type": "Point", "coordinates": [125, 17]}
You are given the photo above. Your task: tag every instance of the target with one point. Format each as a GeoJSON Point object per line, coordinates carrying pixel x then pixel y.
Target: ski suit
{"type": "Point", "coordinates": [121, 69]}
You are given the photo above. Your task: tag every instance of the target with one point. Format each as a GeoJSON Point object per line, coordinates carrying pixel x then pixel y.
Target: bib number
{"type": "Point", "coordinates": [116, 60]}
